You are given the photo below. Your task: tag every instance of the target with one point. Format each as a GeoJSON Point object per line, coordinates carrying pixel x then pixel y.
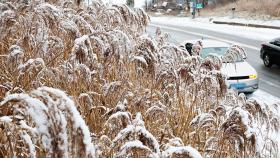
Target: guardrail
{"type": "Point", "coordinates": [248, 25]}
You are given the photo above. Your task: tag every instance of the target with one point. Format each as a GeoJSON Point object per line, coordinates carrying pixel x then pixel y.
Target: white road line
{"type": "Point", "coordinates": [220, 39]}
{"type": "Point", "coordinates": [208, 36]}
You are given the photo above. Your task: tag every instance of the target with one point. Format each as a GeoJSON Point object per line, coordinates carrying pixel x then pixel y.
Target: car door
{"type": "Point", "coordinates": [277, 50]}
{"type": "Point", "coordinates": [272, 49]}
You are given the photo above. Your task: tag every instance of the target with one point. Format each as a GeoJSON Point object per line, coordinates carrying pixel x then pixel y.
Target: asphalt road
{"type": "Point", "coordinates": [269, 78]}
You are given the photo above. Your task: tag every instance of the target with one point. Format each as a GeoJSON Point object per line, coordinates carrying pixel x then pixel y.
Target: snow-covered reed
{"type": "Point", "coordinates": [86, 81]}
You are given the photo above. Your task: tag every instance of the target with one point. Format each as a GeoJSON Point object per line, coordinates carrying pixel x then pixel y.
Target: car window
{"type": "Point", "coordinates": [277, 43]}
{"type": "Point", "coordinates": [220, 51]}
{"type": "Point", "coordinates": [188, 47]}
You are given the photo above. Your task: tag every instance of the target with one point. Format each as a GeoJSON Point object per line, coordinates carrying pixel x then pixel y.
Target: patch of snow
{"type": "Point", "coordinates": [244, 21]}
{"type": "Point", "coordinates": [30, 144]}
{"type": "Point", "coordinates": [132, 144]}
{"type": "Point", "coordinates": [179, 150]}
{"type": "Point", "coordinates": [6, 119]}
{"type": "Point", "coordinates": [264, 97]}
{"type": "Point", "coordinates": [23, 125]}
{"type": "Point", "coordinates": [37, 110]}
{"type": "Point", "coordinates": [141, 59]}
{"type": "Point", "coordinates": [77, 119]}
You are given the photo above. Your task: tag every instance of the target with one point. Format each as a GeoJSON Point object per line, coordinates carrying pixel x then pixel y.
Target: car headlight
{"type": "Point", "coordinates": [252, 76]}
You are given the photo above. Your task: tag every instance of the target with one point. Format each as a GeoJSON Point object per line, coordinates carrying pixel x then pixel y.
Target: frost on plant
{"type": "Point", "coordinates": [46, 118]}
{"type": "Point", "coordinates": [128, 94]}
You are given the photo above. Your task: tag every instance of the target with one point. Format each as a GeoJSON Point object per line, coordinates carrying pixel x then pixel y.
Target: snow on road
{"type": "Point", "coordinates": [261, 34]}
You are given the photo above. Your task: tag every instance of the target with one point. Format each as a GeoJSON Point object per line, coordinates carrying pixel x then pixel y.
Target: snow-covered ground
{"type": "Point", "coordinates": [204, 23]}
{"type": "Point", "coordinates": [244, 21]}
{"type": "Point", "coordinates": [264, 97]}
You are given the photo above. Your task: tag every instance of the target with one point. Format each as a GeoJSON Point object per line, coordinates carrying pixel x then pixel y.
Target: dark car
{"type": "Point", "coordinates": [270, 52]}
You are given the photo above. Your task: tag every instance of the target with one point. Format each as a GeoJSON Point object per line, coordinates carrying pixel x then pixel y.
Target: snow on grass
{"type": "Point", "coordinates": [132, 144]}
{"type": "Point", "coordinates": [6, 119]}
{"type": "Point", "coordinates": [30, 144]}
{"type": "Point", "coordinates": [193, 153]}
{"type": "Point", "coordinates": [77, 119]}
{"type": "Point", "coordinates": [37, 110]}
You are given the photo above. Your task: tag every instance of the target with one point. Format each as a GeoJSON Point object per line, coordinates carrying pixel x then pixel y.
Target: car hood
{"type": "Point", "coordinates": [237, 69]}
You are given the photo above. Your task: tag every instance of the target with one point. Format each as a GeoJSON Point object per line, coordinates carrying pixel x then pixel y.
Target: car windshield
{"type": "Point", "coordinates": [219, 51]}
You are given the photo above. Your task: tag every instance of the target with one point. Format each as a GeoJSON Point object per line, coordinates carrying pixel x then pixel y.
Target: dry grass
{"type": "Point", "coordinates": [248, 9]}
{"type": "Point", "coordinates": [115, 92]}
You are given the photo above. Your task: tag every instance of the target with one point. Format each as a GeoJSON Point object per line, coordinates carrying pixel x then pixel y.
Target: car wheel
{"type": "Point", "coordinates": [267, 60]}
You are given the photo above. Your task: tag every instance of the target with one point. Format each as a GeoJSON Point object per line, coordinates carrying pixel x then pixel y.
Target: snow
{"type": "Point", "coordinates": [31, 62]}
{"type": "Point", "coordinates": [42, 8]}
{"type": "Point", "coordinates": [79, 123]}
{"type": "Point", "coordinates": [37, 111]}
{"type": "Point", "coordinates": [175, 142]}
{"type": "Point", "coordinates": [30, 144]}
{"type": "Point", "coordinates": [23, 125]}
{"type": "Point", "coordinates": [262, 34]}
{"type": "Point", "coordinates": [264, 97]}
{"type": "Point", "coordinates": [122, 134]}
{"type": "Point", "coordinates": [6, 119]}
{"type": "Point", "coordinates": [179, 150]}
{"type": "Point", "coordinates": [246, 121]}
{"type": "Point", "coordinates": [120, 114]}
{"type": "Point", "coordinates": [141, 59]}
{"type": "Point", "coordinates": [244, 21]}
{"type": "Point", "coordinates": [16, 50]}
{"type": "Point", "coordinates": [132, 144]}
{"type": "Point", "coordinates": [201, 118]}
{"type": "Point", "coordinates": [81, 40]}
{"type": "Point", "coordinates": [138, 128]}
{"type": "Point", "coordinates": [154, 109]}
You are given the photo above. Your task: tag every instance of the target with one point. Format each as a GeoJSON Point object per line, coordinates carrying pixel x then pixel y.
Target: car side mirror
{"type": "Point", "coordinates": [272, 42]}
{"type": "Point", "coordinates": [189, 47]}
{"type": "Point", "coordinates": [277, 43]}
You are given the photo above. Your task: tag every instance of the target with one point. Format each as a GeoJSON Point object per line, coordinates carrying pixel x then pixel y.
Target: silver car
{"type": "Point", "coordinates": [240, 74]}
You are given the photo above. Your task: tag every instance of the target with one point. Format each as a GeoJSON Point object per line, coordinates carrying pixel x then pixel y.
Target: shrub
{"type": "Point", "coordinates": [85, 81]}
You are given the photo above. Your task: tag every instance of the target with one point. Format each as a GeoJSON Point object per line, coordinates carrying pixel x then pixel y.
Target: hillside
{"type": "Point", "coordinates": [255, 9]}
